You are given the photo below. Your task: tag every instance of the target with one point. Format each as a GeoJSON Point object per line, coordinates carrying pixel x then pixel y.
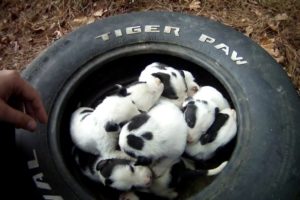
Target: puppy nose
{"type": "Point", "coordinates": [148, 180]}
{"type": "Point", "coordinates": [190, 139]}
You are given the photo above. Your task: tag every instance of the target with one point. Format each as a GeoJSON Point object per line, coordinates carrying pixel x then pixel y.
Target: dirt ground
{"type": "Point", "coordinates": [27, 27]}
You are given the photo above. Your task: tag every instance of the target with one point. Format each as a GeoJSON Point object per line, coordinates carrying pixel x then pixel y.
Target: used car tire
{"type": "Point", "coordinates": [81, 68]}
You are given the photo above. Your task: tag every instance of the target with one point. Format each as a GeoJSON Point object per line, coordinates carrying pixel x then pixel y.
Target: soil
{"type": "Point", "coordinates": [28, 27]}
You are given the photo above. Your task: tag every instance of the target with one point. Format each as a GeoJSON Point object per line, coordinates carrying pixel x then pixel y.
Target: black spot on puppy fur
{"type": "Point", "coordinates": [147, 136]}
{"type": "Point", "coordinates": [130, 153]}
{"type": "Point", "coordinates": [212, 132]}
{"type": "Point", "coordinates": [135, 142]}
{"type": "Point", "coordinates": [121, 91]}
{"type": "Point", "coordinates": [111, 127]}
{"type": "Point", "coordinates": [183, 77]}
{"type": "Point", "coordinates": [143, 161]}
{"type": "Point", "coordinates": [168, 91]}
{"type": "Point", "coordinates": [190, 114]}
{"type": "Point", "coordinates": [131, 168]}
{"type": "Point", "coordinates": [137, 121]}
{"type": "Point", "coordinates": [105, 167]}
{"type": "Point", "coordinates": [174, 74]}
{"type": "Point", "coordinates": [121, 124]}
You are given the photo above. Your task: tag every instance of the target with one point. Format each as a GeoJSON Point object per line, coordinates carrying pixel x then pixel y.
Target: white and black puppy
{"type": "Point", "coordinates": [96, 131]}
{"type": "Point", "coordinates": [211, 94]}
{"type": "Point", "coordinates": [220, 133]}
{"type": "Point", "coordinates": [122, 174]}
{"type": "Point", "coordinates": [145, 93]}
{"type": "Point", "coordinates": [157, 138]}
{"type": "Point", "coordinates": [119, 173]}
{"type": "Point", "coordinates": [166, 185]}
{"type": "Point", "coordinates": [178, 84]}
{"type": "Point", "coordinates": [199, 116]}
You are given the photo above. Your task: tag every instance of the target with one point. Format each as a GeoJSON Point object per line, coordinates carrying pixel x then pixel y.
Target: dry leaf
{"type": "Point", "coordinates": [99, 13]}
{"type": "Point", "coordinates": [38, 29]}
{"type": "Point", "coordinates": [79, 21]}
{"type": "Point", "coordinates": [274, 25]}
{"type": "Point", "coordinates": [249, 30]}
{"type": "Point", "coordinates": [280, 59]}
{"type": "Point", "coordinates": [57, 34]}
{"type": "Point", "coordinates": [269, 46]}
{"type": "Point", "coordinates": [194, 5]}
{"type": "Point", "coordinates": [16, 46]}
{"type": "Point", "coordinates": [90, 20]}
{"type": "Point", "coordinates": [82, 21]}
{"type": "Point", "coordinates": [281, 17]}
{"type": "Point", "coordinates": [258, 13]}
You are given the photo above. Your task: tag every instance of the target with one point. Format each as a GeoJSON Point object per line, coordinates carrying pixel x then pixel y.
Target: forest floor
{"type": "Point", "coordinates": [27, 27]}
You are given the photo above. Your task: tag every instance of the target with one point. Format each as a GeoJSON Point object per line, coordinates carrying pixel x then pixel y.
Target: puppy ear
{"type": "Point", "coordinates": [101, 164]}
{"type": "Point", "coordinates": [122, 91]}
{"type": "Point", "coordinates": [143, 161]}
{"type": "Point", "coordinates": [168, 91]}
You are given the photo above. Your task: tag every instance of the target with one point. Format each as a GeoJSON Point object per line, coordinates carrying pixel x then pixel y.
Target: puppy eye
{"type": "Point", "coordinates": [131, 168]}
{"type": "Point", "coordinates": [195, 89]}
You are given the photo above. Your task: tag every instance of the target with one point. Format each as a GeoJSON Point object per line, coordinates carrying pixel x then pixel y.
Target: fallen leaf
{"type": "Point", "coordinates": [281, 17]}
{"type": "Point", "coordinates": [274, 25]}
{"type": "Point", "coordinates": [258, 13]}
{"type": "Point", "coordinates": [5, 40]}
{"type": "Point", "coordinates": [38, 29]}
{"type": "Point", "coordinates": [280, 59]}
{"type": "Point", "coordinates": [269, 46]}
{"type": "Point", "coordinates": [52, 26]}
{"type": "Point", "coordinates": [82, 21]}
{"type": "Point", "coordinates": [249, 30]}
{"type": "Point", "coordinates": [90, 20]}
{"type": "Point", "coordinates": [194, 5]}
{"type": "Point", "coordinates": [16, 46]}
{"type": "Point", "coordinates": [58, 34]}
{"type": "Point", "coordinates": [99, 13]}
{"type": "Point", "coordinates": [29, 39]}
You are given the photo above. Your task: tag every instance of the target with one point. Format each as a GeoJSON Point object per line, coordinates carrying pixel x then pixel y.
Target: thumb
{"type": "Point", "coordinates": [16, 117]}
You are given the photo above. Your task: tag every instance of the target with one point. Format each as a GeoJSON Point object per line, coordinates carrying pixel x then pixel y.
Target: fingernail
{"type": "Point", "coordinates": [31, 125]}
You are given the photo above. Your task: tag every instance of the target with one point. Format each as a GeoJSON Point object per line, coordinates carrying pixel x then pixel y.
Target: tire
{"type": "Point", "coordinates": [82, 67]}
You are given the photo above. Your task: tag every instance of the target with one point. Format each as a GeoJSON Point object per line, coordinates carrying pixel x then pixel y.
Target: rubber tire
{"type": "Point", "coordinates": [266, 160]}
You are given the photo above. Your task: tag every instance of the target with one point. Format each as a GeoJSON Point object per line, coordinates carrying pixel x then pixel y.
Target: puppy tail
{"type": "Point", "coordinates": [217, 170]}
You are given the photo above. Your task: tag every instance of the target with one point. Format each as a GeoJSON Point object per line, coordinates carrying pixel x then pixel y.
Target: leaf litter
{"type": "Point", "coordinates": [28, 27]}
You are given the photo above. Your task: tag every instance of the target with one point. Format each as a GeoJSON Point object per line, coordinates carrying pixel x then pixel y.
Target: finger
{"type": "Point", "coordinates": [32, 100]}
{"type": "Point", "coordinates": [16, 117]}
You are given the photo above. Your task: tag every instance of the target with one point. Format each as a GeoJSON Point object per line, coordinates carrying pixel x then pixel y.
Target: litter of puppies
{"type": "Point", "coordinates": [139, 135]}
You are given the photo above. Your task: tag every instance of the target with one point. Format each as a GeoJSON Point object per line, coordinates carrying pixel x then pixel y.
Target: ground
{"type": "Point", "coordinates": [28, 27]}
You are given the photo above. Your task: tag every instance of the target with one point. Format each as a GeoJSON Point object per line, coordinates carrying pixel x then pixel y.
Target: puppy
{"type": "Point", "coordinates": [157, 138]}
{"type": "Point", "coordinates": [210, 94]}
{"type": "Point", "coordinates": [165, 185]}
{"type": "Point", "coordinates": [178, 84]}
{"type": "Point", "coordinates": [96, 131]}
{"type": "Point", "coordinates": [199, 116]}
{"type": "Point", "coordinates": [123, 174]}
{"type": "Point", "coordinates": [220, 133]}
{"type": "Point", "coordinates": [145, 94]}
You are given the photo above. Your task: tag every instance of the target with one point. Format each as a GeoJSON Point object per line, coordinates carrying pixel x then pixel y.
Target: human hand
{"type": "Point", "coordinates": [13, 87]}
